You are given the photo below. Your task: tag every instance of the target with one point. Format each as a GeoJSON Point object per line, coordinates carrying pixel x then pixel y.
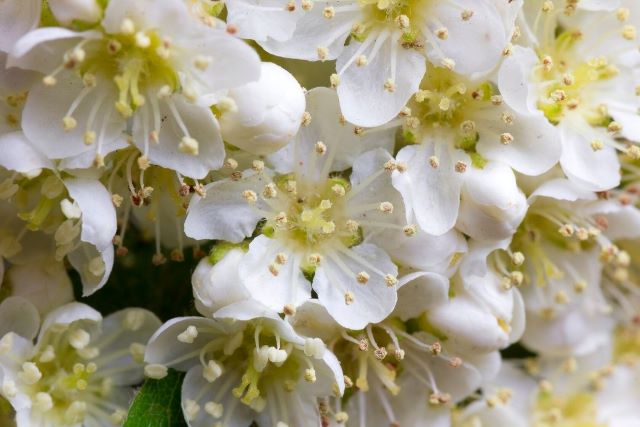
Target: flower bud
{"type": "Point", "coordinates": [267, 113]}
{"type": "Point", "coordinates": [67, 11]}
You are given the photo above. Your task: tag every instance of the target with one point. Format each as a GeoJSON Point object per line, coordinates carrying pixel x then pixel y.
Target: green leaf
{"type": "Point", "coordinates": [158, 403]}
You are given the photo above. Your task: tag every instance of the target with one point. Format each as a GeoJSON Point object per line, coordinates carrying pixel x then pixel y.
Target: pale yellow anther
{"type": "Point", "coordinates": [329, 12]}
{"type": "Point", "coordinates": [444, 104]}
{"type": "Point", "coordinates": [352, 225]}
{"type": "Point", "coordinates": [191, 409]}
{"type": "Point", "coordinates": [9, 388]}
{"type": "Point", "coordinates": [448, 63]}
{"type": "Point", "coordinates": [188, 335]}
{"type": "Point", "coordinates": [334, 80]}
{"type": "Point", "coordinates": [390, 85]}
{"type": "Point", "coordinates": [290, 6]}
{"type": "Point", "coordinates": [328, 227]}
{"type": "Point", "coordinates": [547, 6]}
{"type": "Point", "coordinates": [547, 63]}
{"type": "Point", "coordinates": [269, 191]}
{"type": "Point", "coordinates": [410, 230]}
{"type": "Point", "coordinates": [79, 338]}
{"type": "Point", "coordinates": [349, 298]}
{"type": "Point", "coordinates": [142, 40]}
{"type": "Point", "coordinates": [496, 100]}
{"type": "Point", "coordinates": [460, 167]}
{"type": "Point", "coordinates": [434, 162]}
{"type": "Point", "coordinates": [306, 118]}
{"type": "Point", "coordinates": [202, 62]}
{"type": "Point", "coordinates": [442, 33]}
{"type": "Point", "coordinates": [314, 259]}
{"type": "Point", "coordinates": [322, 53]}
{"type": "Point", "coordinates": [307, 5]}
{"type": "Point", "coordinates": [250, 196]}
{"type": "Point", "coordinates": [386, 207]}
{"type": "Point", "coordinates": [216, 410]}
{"type": "Point", "coordinates": [468, 126]}
{"type": "Point", "coordinates": [361, 60]}
{"type": "Point", "coordinates": [189, 145]}
{"type": "Point", "coordinates": [320, 148]}
{"type": "Point", "coordinates": [281, 258]}
{"type": "Point", "coordinates": [633, 151]}
{"type": "Point", "coordinates": [212, 371]}
{"type": "Point", "coordinates": [517, 258]}
{"type": "Point", "coordinates": [629, 32]}
{"type": "Point", "coordinates": [69, 123]}
{"type": "Point", "coordinates": [137, 352]}
{"type": "Point", "coordinates": [156, 371]}
{"type": "Point", "coordinates": [30, 374]}
{"type": "Point", "coordinates": [597, 145]}
{"type": "Point", "coordinates": [257, 165]}
{"type": "Point", "coordinates": [506, 138]}
{"type": "Point", "coordinates": [43, 402]}
{"type": "Point", "coordinates": [231, 163]}
{"type": "Point", "coordinates": [507, 118]}
{"type": "Point", "coordinates": [127, 27]}
{"type": "Point", "coordinates": [362, 277]}
{"type": "Point", "coordinates": [338, 190]}
{"type": "Point", "coordinates": [274, 269]}
{"type": "Point", "coordinates": [310, 375]}
{"type": "Point", "coordinates": [403, 22]}
{"type": "Point", "coordinates": [466, 14]}
{"type": "Point", "coordinates": [622, 14]}
{"type": "Point", "coordinates": [614, 127]}
{"type": "Point", "coordinates": [49, 81]}
{"type": "Point", "coordinates": [390, 280]}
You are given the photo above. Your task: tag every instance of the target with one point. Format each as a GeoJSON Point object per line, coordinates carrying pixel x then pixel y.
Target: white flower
{"type": "Point", "coordinates": [68, 11]}
{"type": "Point", "coordinates": [314, 222]}
{"type": "Point", "coordinates": [399, 377]}
{"type": "Point", "coordinates": [481, 315]}
{"type": "Point", "coordinates": [139, 64]}
{"type": "Point", "coordinates": [263, 116]}
{"type": "Point", "coordinates": [81, 369]}
{"type": "Point", "coordinates": [492, 205]}
{"type": "Point", "coordinates": [462, 124]}
{"type": "Point", "coordinates": [253, 368]}
{"type": "Point", "coordinates": [583, 86]}
{"type": "Point", "coordinates": [84, 229]}
{"type": "Point", "coordinates": [383, 63]}
{"type": "Point", "coordinates": [260, 21]}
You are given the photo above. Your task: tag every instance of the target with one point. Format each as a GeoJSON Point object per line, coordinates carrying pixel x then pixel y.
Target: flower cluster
{"type": "Point", "coordinates": [442, 230]}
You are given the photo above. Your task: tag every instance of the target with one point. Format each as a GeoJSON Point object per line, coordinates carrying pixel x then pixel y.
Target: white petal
{"type": "Point", "coordinates": [224, 214]}
{"type": "Point", "coordinates": [197, 389]}
{"type": "Point", "coordinates": [18, 154]}
{"type": "Point", "coordinates": [17, 17]}
{"type": "Point", "coordinates": [200, 124]}
{"type": "Point", "coordinates": [562, 189]}
{"type": "Point", "coordinates": [67, 314]}
{"type": "Point", "coordinates": [420, 294]}
{"type": "Point", "coordinates": [328, 126]}
{"type": "Point", "coordinates": [429, 253]}
{"type": "Point", "coordinates": [269, 112]}
{"type": "Point", "coordinates": [257, 22]}
{"type": "Point", "coordinates": [313, 31]}
{"type": "Point", "coordinates": [372, 301]}
{"type": "Point", "coordinates": [164, 347]}
{"type": "Point", "coordinates": [19, 316]}
{"type": "Point", "coordinates": [216, 286]}
{"type": "Point", "coordinates": [363, 97]}
{"type": "Point", "coordinates": [42, 118]}
{"type": "Point", "coordinates": [287, 287]}
{"type": "Point", "coordinates": [313, 320]}
{"type": "Point", "coordinates": [596, 170]}
{"type": "Point", "coordinates": [431, 195]}
{"type": "Point", "coordinates": [234, 63]}
{"type": "Point", "coordinates": [45, 284]}
{"type": "Point", "coordinates": [94, 266]}
{"type": "Point", "coordinates": [98, 213]}
{"type": "Point", "coordinates": [514, 80]}
{"type": "Point", "coordinates": [535, 147]}
{"type": "Point", "coordinates": [119, 331]}
{"type": "Point", "coordinates": [43, 49]}
{"type": "Point", "coordinates": [475, 45]}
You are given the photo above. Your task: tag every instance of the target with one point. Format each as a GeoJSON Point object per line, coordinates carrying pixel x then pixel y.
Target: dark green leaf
{"type": "Point", "coordinates": [158, 403]}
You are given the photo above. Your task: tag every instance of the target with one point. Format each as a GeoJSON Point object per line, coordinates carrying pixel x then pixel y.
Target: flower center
{"type": "Point", "coordinates": [309, 215]}
{"type": "Point", "coordinates": [566, 81]}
